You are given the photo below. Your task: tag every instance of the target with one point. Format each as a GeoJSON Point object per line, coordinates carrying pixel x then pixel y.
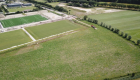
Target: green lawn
{"type": "Point", "coordinates": [41, 0]}
{"type": "Point", "coordinates": [127, 21]}
{"type": "Point", "coordinates": [54, 3]}
{"type": "Point", "coordinates": [76, 12]}
{"type": "Point", "coordinates": [49, 29]}
{"type": "Point", "coordinates": [13, 38]}
{"type": "Point", "coordinates": [21, 9]}
{"type": "Point", "coordinates": [86, 55]}
{"type": "Point", "coordinates": [22, 20]}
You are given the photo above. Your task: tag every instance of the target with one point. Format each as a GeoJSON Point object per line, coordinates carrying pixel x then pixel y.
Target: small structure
{"type": "Point", "coordinates": [27, 4]}
{"type": "Point", "coordinates": [16, 4]}
{"type": "Point", "coordinates": [2, 0]}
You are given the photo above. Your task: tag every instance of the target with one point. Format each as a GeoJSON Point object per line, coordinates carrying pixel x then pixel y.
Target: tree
{"type": "Point", "coordinates": [129, 37]}
{"type": "Point", "coordinates": [85, 17]}
{"type": "Point", "coordinates": [138, 42]}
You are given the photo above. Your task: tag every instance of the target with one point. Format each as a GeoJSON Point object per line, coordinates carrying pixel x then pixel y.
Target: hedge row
{"type": "Point", "coordinates": [109, 27]}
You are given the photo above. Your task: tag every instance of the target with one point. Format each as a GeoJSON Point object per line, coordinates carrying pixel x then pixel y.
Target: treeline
{"type": "Point", "coordinates": [118, 5]}
{"type": "Point", "coordinates": [109, 27]}
{"type": "Point", "coordinates": [123, 1]}
{"type": "Point", "coordinates": [118, 1]}
{"type": "Point", "coordinates": [42, 4]}
{"type": "Point", "coordinates": [82, 4]}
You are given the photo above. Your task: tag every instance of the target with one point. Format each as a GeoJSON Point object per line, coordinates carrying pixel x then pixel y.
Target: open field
{"type": "Point", "coordinates": [49, 29]}
{"type": "Point", "coordinates": [13, 38]}
{"type": "Point", "coordinates": [21, 20]}
{"type": "Point", "coordinates": [127, 21]}
{"type": "Point", "coordinates": [41, 0]}
{"type": "Point", "coordinates": [20, 9]}
{"type": "Point", "coordinates": [86, 55]}
{"type": "Point", "coordinates": [54, 3]}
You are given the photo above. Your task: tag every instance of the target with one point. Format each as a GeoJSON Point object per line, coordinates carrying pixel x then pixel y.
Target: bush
{"type": "Point", "coordinates": [109, 27]}
{"type": "Point", "coordinates": [101, 24]}
{"type": "Point", "coordinates": [125, 36]}
{"type": "Point", "coordinates": [96, 21]}
{"type": "Point", "coordinates": [106, 26]}
{"type": "Point", "coordinates": [129, 37]}
{"type": "Point", "coordinates": [85, 17]}
{"type": "Point", "coordinates": [112, 29]}
{"type": "Point", "coordinates": [93, 21]}
{"type": "Point", "coordinates": [138, 42]}
{"type": "Point", "coordinates": [122, 33]}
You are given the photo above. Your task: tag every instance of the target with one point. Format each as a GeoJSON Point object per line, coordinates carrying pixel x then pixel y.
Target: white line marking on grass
{"type": "Point", "coordinates": [29, 34]}
{"type": "Point", "coordinates": [1, 25]}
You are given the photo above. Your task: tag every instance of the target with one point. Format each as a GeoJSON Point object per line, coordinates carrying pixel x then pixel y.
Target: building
{"type": "Point", "coordinates": [27, 4]}
{"type": "Point", "coordinates": [19, 4]}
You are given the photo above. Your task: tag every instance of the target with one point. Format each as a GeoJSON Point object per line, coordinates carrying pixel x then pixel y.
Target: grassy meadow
{"type": "Point", "coordinates": [21, 20]}
{"type": "Point", "coordinates": [13, 38]}
{"type": "Point", "coordinates": [20, 9]}
{"type": "Point", "coordinates": [53, 3]}
{"type": "Point", "coordinates": [49, 29]}
{"type": "Point", "coordinates": [126, 21]}
{"type": "Point", "coordinates": [85, 55]}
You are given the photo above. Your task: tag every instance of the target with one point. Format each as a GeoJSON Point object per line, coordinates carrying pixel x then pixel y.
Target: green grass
{"type": "Point", "coordinates": [21, 9]}
{"type": "Point", "coordinates": [40, 0]}
{"type": "Point", "coordinates": [86, 55]}
{"type": "Point", "coordinates": [127, 21]}
{"type": "Point", "coordinates": [76, 12]}
{"type": "Point", "coordinates": [49, 29]}
{"type": "Point", "coordinates": [21, 20]}
{"type": "Point", "coordinates": [53, 3]}
{"type": "Point", "coordinates": [13, 38]}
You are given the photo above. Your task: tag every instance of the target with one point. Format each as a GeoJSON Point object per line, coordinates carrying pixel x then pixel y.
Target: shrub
{"type": "Point", "coordinates": [101, 24]}
{"type": "Point", "coordinates": [85, 17]}
{"type": "Point", "coordinates": [112, 29]}
{"type": "Point", "coordinates": [96, 21]}
{"type": "Point", "coordinates": [109, 27]}
{"type": "Point", "coordinates": [106, 26]}
{"type": "Point", "coordinates": [122, 33]}
{"type": "Point", "coordinates": [138, 42]}
{"type": "Point", "coordinates": [129, 37]}
{"type": "Point", "coordinates": [125, 36]}
{"type": "Point", "coordinates": [93, 21]}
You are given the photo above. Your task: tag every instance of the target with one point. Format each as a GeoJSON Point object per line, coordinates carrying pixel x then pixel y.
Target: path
{"type": "Point", "coordinates": [29, 34]}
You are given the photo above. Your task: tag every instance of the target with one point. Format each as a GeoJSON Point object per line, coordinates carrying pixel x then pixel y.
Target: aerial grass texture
{"type": "Point", "coordinates": [49, 29]}
{"type": "Point", "coordinates": [20, 8]}
{"type": "Point", "coordinates": [126, 21]}
{"type": "Point", "coordinates": [85, 55]}
{"type": "Point", "coordinates": [22, 20]}
{"type": "Point", "coordinates": [13, 38]}
{"type": "Point", "coordinates": [53, 3]}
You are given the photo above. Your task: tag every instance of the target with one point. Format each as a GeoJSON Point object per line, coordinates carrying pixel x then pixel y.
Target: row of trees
{"type": "Point", "coordinates": [86, 5]}
{"type": "Point", "coordinates": [109, 27]}
{"type": "Point", "coordinates": [4, 8]}
{"type": "Point", "coordinates": [118, 5]}
{"type": "Point", "coordinates": [123, 1]}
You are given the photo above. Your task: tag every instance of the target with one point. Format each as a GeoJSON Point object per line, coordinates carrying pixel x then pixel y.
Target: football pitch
{"type": "Point", "coordinates": [46, 30]}
{"type": "Point", "coordinates": [22, 20]}
{"type": "Point", "coordinates": [13, 38]}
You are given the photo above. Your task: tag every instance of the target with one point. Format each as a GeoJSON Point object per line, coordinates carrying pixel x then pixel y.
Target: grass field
{"type": "Point", "coordinates": [54, 3]}
{"type": "Point", "coordinates": [13, 38]}
{"type": "Point", "coordinates": [21, 9]}
{"type": "Point", "coordinates": [21, 20]}
{"type": "Point", "coordinates": [86, 55]}
{"type": "Point", "coordinates": [49, 29]}
{"type": "Point", "coordinates": [127, 21]}
{"type": "Point", "coordinates": [41, 0]}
